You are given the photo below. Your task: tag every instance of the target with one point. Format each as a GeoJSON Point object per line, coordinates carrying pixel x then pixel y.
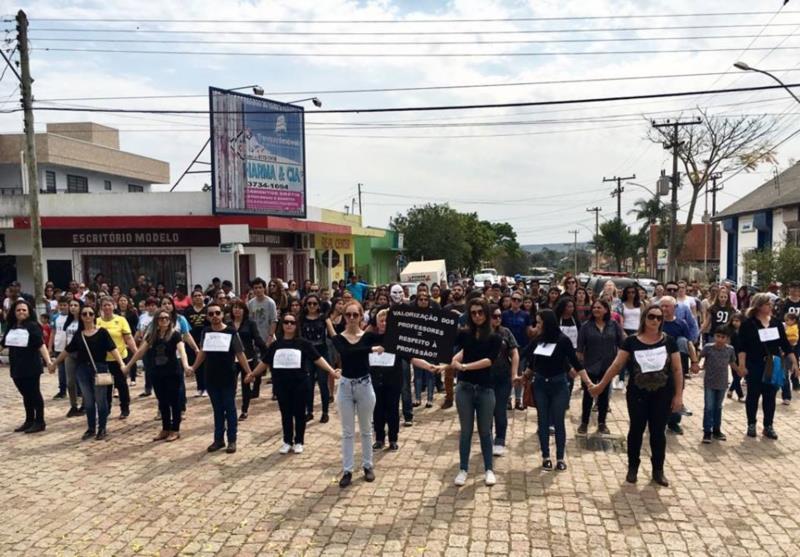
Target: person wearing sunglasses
{"type": "Point", "coordinates": [220, 350]}
{"type": "Point", "coordinates": [288, 359]}
{"type": "Point", "coordinates": [313, 328]}
{"type": "Point", "coordinates": [386, 370]}
{"type": "Point", "coordinates": [479, 348]}
{"type": "Point", "coordinates": [654, 389]}
{"type": "Point", "coordinates": [503, 370]}
{"type": "Point", "coordinates": [682, 311]}
{"type": "Point", "coordinates": [120, 331]}
{"type": "Point", "coordinates": [424, 380]}
{"type": "Point", "coordinates": [254, 348]}
{"type": "Point", "coordinates": [356, 397]}
{"type": "Point", "coordinates": [26, 350]}
{"type": "Point", "coordinates": [679, 330]}
{"type": "Point", "coordinates": [89, 347]}
{"type": "Point", "coordinates": [195, 315]}
{"type": "Point", "coordinates": [166, 350]}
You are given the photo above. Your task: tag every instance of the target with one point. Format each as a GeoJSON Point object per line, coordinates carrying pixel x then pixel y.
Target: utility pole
{"type": "Point", "coordinates": [714, 189]}
{"type": "Point", "coordinates": [596, 211]}
{"type": "Point", "coordinates": [575, 249]}
{"type": "Point", "coordinates": [360, 206]}
{"type": "Point", "coordinates": [674, 145]}
{"type": "Point", "coordinates": [618, 191]}
{"type": "Point", "coordinates": [30, 157]}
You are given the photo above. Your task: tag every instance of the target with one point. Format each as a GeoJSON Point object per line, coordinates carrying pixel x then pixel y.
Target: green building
{"type": "Point", "coordinates": [377, 255]}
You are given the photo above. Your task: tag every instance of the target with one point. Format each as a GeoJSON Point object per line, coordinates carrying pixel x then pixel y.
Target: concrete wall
{"type": "Point", "coordinates": [747, 241]}
{"type": "Point", "coordinates": [723, 252]}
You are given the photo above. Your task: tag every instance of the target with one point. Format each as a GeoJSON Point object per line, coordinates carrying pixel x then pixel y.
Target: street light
{"type": "Point", "coordinates": [651, 192]}
{"type": "Point", "coordinates": [258, 90]}
{"type": "Point", "coordinates": [747, 68]}
{"type": "Point", "coordinates": [315, 100]}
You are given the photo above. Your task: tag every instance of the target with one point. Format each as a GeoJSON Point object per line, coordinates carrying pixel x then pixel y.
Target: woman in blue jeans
{"type": "Point", "coordinates": [479, 348]}
{"type": "Point", "coordinates": [356, 397]}
{"type": "Point", "coordinates": [220, 349]}
{"type": "Point", "coordinates": [551, 359]}
{"type": "Point", "coordinates": [424, 379]}
{"type": "Point", "coordinates": [504, 371]}
{"type": "Point", "coordinates": [89, 346]}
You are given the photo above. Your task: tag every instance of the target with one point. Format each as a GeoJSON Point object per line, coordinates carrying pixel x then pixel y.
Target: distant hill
{"type": "Point", "coordinates": [560, 248]}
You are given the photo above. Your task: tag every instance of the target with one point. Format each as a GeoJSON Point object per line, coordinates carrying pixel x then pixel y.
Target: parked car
{"type": "Point", "coordinates": [648, 284]}
{"type": "Point", "coordinates": [596, 283]}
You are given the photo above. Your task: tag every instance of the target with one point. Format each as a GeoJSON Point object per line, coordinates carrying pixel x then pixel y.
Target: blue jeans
{"type": "Point", "coordinates": [223, 401]}
{"type": "Point", "coordinates": [712, 410]}
{"type": "Point", "coordinates": [424, 381]}
{"type": "Point", "coordinates": [786, 389]}
{"type": "Point", "coordinates": [502, 390]}
{"type": "Point", "coordinates": [552, 397]}
{"type": "Point", "coordinates": [356, 397]}
{"type": "Point", "coordinates": [475, 401]}
{"type": "Point", "coordinates": [95, 399]}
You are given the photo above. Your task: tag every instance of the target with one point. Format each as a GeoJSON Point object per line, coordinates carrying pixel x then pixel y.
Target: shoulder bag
{"type": "Point", "coordinates": [104, 379]}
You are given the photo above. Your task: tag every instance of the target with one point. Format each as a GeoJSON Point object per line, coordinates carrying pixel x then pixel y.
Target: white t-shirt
{"type": "Point", "coordinates": [631, 317]}
{"type": "Point", "coordinates": [60, 337]}
{"type": "Point", "coordinates": [144, 321]}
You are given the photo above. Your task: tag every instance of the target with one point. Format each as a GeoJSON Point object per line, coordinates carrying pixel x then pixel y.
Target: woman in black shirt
{"type": "Point", "coordinates": [254, 348]}
{"type": "Point", "coordinates": [164, 346]}
{"type": "Point", "coordinates": [654, 389]}
{"type": "Point", "coordinates": [288, 359]}
{"type": "Point", "coordinates": [26, 350]}
{"type": "Point", "coordinates": [474, 391]}
{"type": "Point", "coordinates": [356, 395]}
{"type": "Point", "coordinates": [89, 347]}
{"type": "Point", "coordinates": [551, 358]}
{"type": "Point", "coordinates": [125, 309]}
{"type": "Point", "coordinates": [386, 370]}
{"type": "Point", "coordinates": [195, 315]}
{"type": "Point", "coordinates": [761, 336]}
{"type": "Point", "coordinates": [313, 328]}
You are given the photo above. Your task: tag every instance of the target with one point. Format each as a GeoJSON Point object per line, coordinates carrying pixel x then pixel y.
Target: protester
{"type": "Point", "coordinates": [503, 371]}
{"type": "Point", "coordinates": [65, 327]}
{"type": "Point", "coordinates": [717, 358]}
{"type": "Point", "coordinates": [654, 390]}
{"type": "Point", "coordinates": [120, 331]}
{"type": "Point", "coordinates": [288, 359]}
{"type": "Point", "coordinates": [386, 371]}
{"type": "Point", "coordinates": [254, 348]}
{"type": "Point", "coordinates": [313, 328]}
{"type": "Point", "coordinates": [195, 315]}
{"type": "Point", "coordinates": [26, 350]}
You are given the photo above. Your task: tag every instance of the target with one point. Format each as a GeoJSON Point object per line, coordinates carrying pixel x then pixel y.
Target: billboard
{"type": "Point", "coordinates": [258, 163]}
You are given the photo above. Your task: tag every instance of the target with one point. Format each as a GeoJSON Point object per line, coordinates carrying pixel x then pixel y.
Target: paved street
{"type": "Point", "coordinates": [128, 495]}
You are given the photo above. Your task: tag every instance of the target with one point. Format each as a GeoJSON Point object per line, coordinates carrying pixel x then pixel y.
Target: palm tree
{"type": "Point", "coordinates": [651, 211]}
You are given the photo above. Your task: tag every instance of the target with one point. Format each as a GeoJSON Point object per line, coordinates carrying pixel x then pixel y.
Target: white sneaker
{"type": "Point", "coordinates": [461, 477]}
{"type": "Point", "coordinates": [498, 450]}
{"type": "Point", "coordinates": [787, 401]}
{"type": "Point", "coordinates": [616, 384]}
{"type": "Point", "coordinates": [204, 394]}
{"type": "Point", "coordinates": [285, 448]}
{"type": "Point", "coordinates": [298, 448]}
{"type": "Point", "coordinates": [490, 478]}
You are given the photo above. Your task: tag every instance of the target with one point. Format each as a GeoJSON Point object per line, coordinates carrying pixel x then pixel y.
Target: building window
{"type": "Point", "coordinates": [49, 182]}
{"type": "Point", "coordinates": [133, 188]}
{"type": "Point", "coordinates": [793, 237]}
{"type": "Point", "coordinates": [123, 268]}
{"type": "Point", "coordinates": [77, 184]}
{"type": "Point", "coordinates": [107, 185]}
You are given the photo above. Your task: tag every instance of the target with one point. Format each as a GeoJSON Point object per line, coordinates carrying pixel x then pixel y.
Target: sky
{"type": "Point", "coordinates": [538, 168]}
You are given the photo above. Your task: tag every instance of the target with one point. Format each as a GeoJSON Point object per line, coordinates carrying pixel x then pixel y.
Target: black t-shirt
{"type": "Point", "coordinates": [100, 344]}
{"type": "Point", "coordinates": [251, 339]}
{"type": "Point", "coordinates": [549, 359]}
{"type": "Point", "coordinates": [290, 356]}
{"type": "Point", "coordinates": [750, 342]}
{"type": "Point", "coordinates": [355, 357]}
{"type": "Point", "coordinates": [163, 353]}
{"type": "Point", "coordinates": [719, 316]}
{"type": "Point", "coordinates": [197, 322]}
{"type": "Point", "coordinates": [477, 349]}
{"type": "Point", "coordinates": [457, 307]}
{"type": "Point", "coordinates": [219, 364]}
{"type": "Point", "coordinates": [789, 306]}
{"type": "Point", "coordinates": [131, 317]}
{"type": "Point", "coordinates": [378, 368]}
{"type": "Point", "coordinates": [650, 365]}
{"type": "Point", "coordinates": [25, 361]}
{"type": "Point", "coordinates": [314, 331]}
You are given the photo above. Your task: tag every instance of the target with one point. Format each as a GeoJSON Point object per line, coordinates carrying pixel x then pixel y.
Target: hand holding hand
{"type": "Point", "coordinates": [595, 390]}
{"type": "Point", "coordinates": [249, 378]}
{"type": "Point", "coordinates": [337, 373]}
{"type": "Point", "coordinates": [742, 372]}
{"type": "Point", "coordinates": [695, 368]}
{"type": "Point", "coordinates": [379, 349]}
{"type": "Point", "coordinates": [51, 367]}
{"type": "Point", "coordinates": [189, 371]}
{"type": "Point", "coordinates": [677, 404]}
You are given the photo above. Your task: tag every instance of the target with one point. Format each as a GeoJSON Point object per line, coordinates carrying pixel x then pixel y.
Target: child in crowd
{"type": "Point", "coordinates": [792, 335]}
{"type": "Point", "coordinates": [736, 383]}
{"type": "Point", "coordinates": [717, 356]}
{"type": "Point", "coordinates": [44, 321]}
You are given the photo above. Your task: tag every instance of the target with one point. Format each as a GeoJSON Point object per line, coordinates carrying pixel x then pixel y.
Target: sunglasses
{"type": "Point", "coordinates": [654, 317]}
{"type": "Point", "coordinates": [352, 315]}
{"type": "Point", "coordinates": [672, 289]}
{"type": "Point", "coordinates": [312, 304]}
{"type": "Point", "coordinates": [516, 299]}
{"type": "Point", "coordinates": [163, 318]}
{"type": "Point", "coordinates": [212, 313]}
{"type": "Point", "coordinates": [476, 312]}
{"type": "Point", "coordinates": [292, 323]}
{"type": "Point", "coordinates": [497, 316]}
{"type": "Point", "coordinates": [87, 313]}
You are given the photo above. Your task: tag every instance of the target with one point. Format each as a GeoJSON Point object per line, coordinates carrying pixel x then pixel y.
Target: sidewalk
{"type": "Point", "coordinates": [128, 495]}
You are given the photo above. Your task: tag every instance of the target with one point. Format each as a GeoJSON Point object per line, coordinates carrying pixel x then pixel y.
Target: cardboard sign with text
{"type": "Point", "coordinates": [417, 333]}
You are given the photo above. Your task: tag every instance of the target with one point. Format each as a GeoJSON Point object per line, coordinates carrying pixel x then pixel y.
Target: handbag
{"type": "Point", "coordinates": [104, 379]}
{"type": "Point", "coordinates": [774, 373]}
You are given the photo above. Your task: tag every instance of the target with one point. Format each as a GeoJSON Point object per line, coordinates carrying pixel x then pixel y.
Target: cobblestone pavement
{"type": "Point", "coordinates": [128, 495]}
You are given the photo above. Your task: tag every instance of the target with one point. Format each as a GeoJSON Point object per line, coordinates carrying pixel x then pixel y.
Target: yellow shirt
{"type": "Point", "coordinates": [117, 326]}
{"type": "Point", "coordinates": [792, 334]}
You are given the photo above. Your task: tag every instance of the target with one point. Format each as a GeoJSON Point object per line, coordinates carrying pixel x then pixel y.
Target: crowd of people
{"type": "Point", "coordinates": [518, 346]}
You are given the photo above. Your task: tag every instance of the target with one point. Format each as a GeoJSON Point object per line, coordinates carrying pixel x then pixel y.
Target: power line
{"type": "Point", "coordinates": [139, 31]}
{"type": "Point", "coordinates": [405, 54]}
{"type": "Point", "coordinates": [403, 43]}
{"type": "Point", "coordinates": [429, 20]}
{"type": "Point", "coordinates": [421, 88]}
{"type": "Point", "coordinates": [588, 100]}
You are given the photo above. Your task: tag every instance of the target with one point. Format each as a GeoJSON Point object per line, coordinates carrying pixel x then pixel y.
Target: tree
{"type": "Point", "coordinates": [615, 238]}
{"type": "Point", "coordinates": [780, 264]}
{"type": "Point", "coordinates": [434, 232]}
{"type": "Point", "coordinates": [649, 211]}
{"type": "Point", "coordinates": [718, 145]}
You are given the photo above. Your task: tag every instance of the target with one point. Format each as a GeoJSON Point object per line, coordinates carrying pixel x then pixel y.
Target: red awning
{"type": "Point", "coordinates": [184, 221]}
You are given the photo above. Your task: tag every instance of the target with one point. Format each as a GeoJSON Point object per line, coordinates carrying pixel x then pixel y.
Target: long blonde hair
{"type": "Point", "coordinates": [757, 302]}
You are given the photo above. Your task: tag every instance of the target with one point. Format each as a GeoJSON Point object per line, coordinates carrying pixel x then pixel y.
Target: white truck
{"type": "Point", "coordinates": [429, 272]}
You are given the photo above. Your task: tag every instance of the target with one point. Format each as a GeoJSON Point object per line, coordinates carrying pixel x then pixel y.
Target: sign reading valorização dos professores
{"type": "Point", "coordinates": [418, 333]}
